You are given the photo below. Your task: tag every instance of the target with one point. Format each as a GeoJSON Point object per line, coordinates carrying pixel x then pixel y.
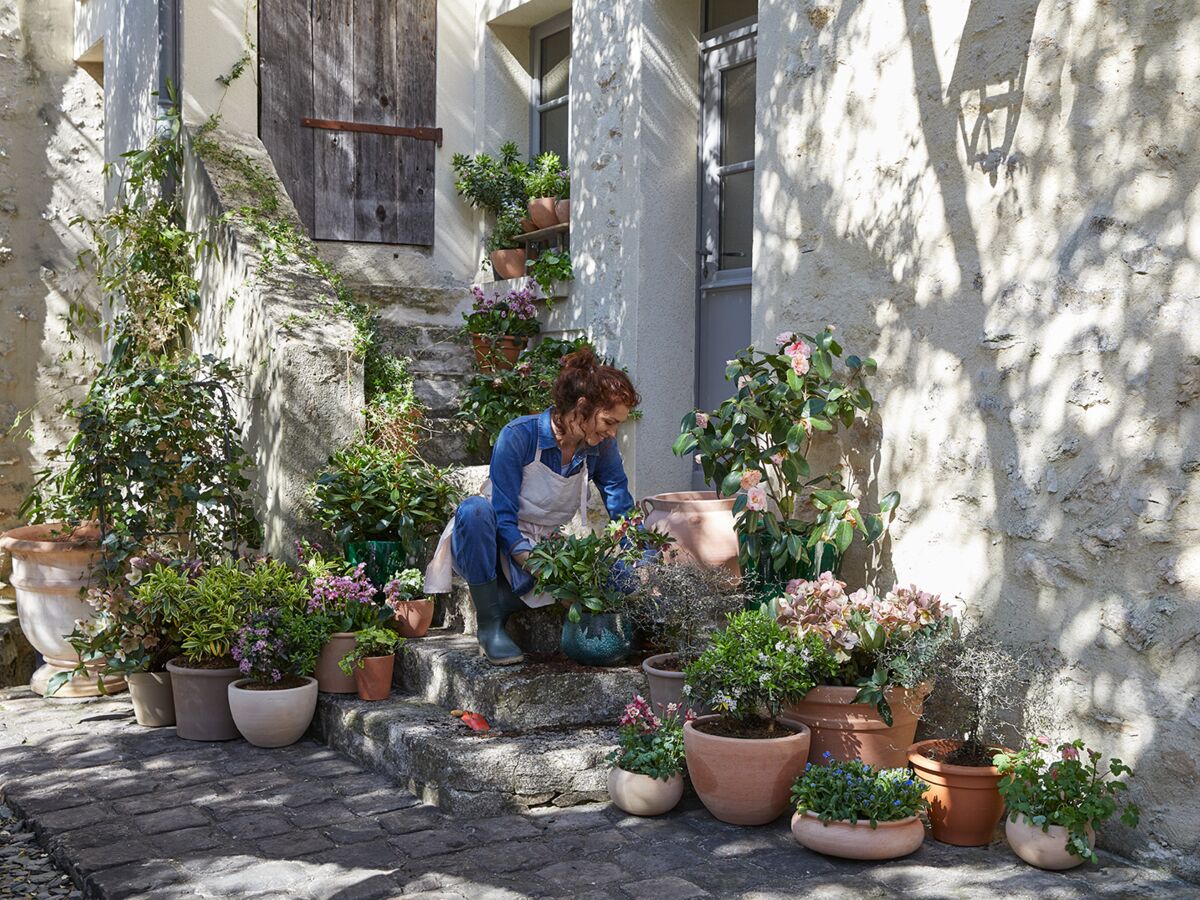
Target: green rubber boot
{"type": "Point", "coordinates": [494, 603]}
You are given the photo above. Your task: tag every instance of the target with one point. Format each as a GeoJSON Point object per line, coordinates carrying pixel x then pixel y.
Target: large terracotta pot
{"type": "Point", "coordinates": [50, 578]}
{"type": "Point", "coordinates": [330, 678]}
{"type": "Point", "coordinates": [508, 263]}
{"type": "Point", "coordinates": [562, 211]}
{"type": "Point", "coordinates": [153, 701]}
{"type": "Point", "coordinates": [541, 210]}
{"type": "Point", "coordinates": [887, 840]}
{"type": "Point", "coordinates": [413, 617]}
{"type": "Point", "coordinates": [373, 679]}
{"type": "Point", "coordinates": [744, 781]}
{"type": "Point", "coordinates": [273, 718]}
{"type": "Point", "coordinates": [597, 639]}
{"type": "Point", "coordinates": [701, 523]}
{"type": "Point", "coordinates": [964, 801]}
{"type": "Point", "coordinates": [849, 730]}
{"type": "Point", "coordinates": [1044, 849]}
{"type": "Point", "coordinates": [497, 354]}
{"type": "Point", "coordinates": [202, 702]}
{"type": "Point", "coordinates": [641, 795]}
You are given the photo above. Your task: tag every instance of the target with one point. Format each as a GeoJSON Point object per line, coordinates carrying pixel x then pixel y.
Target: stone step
{"type": "Point", "coordinates": [445, 443]}
{"type": "Point", "coordinates": [430, 349]}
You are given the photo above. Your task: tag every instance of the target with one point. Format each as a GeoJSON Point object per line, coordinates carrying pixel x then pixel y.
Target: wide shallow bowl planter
{"type": "Point", "coordinates": [562, 211]}
{"type": "Point", "coordinates": [641, 795]}
{"type": "Point", "coordinates": [153, 701]}
{"type": "Point", "coordinates": [597, 639]}
{"type": "Point", "coordinates": [413, 617]}
{"type": "Point", "coordinates": [887, 840]}
{"type": "Point", "coordinates": [497, 354]}
{"type": "Point", "coordinates": [330, 678]}
{"type": "Point", "coordinates": [273, 718]}
{"type": "Point", "coordinates": [202, 702]}
{"type": "Point", "coordinates": [541, 210]}
{"type": "Point", "coordinates": [744, 781]}
{"type": "Point", "coordinates": [850, 730]}
{"type": "Point", "coordinates": [1044, 849]}
{"type": "Point", "coordinates": [964, 801]}
{"type": "Point", "coordinates": [373, 679]}
{"type": "Point", "coordinates": [50, 577]}
{"type": "Point", "coordinates": [508, 263]}
{"type": "Point", "coordinates": [381, 558]}
{"type": "Point", "coordinates": [701, 523]}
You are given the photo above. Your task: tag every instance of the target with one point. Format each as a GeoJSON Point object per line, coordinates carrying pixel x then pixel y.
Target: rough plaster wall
{"type": "Point", "coordinates": [1026, 272]}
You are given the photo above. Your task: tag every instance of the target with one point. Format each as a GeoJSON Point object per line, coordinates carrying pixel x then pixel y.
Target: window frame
{"type": "Point", "coordinates": [537, 34]}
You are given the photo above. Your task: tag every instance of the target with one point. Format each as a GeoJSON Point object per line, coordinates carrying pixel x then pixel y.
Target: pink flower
{"type": "Point", "coordinates": [785, 337]}
{"type": "Point", "coordinates": [777, 459]}
{"type": "Point", "coordinates": [798, 348]}
{"type": "Point", "coordinates": [1042, 740]}
{"type": "Point", "coordinates": [701, 420]}
{"type": "Point", "coordinates": [751, 479]}
{"type": "Point", "coordinates": [756, 498]}
{"type": "Point", "coordinates": [1069, 752]}
{"type": "Point", "coordinates": [800, 365]}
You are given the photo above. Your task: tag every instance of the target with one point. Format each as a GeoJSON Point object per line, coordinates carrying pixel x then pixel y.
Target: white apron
{"type": "Point", "coordinates": [548, 500]}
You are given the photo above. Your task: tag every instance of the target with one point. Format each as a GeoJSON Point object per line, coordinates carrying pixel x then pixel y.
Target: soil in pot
{"type": "Point", "coordinates": [330, 678]}
{"type": "Point", "coordinates": [273, 715]}
{"type": "Point", "coordinates": [373, 679]}
{"type": "Point", "coordinates": [754, 728]}
{"type": "Point", "coordinates": [641, 795]}
{"type": "Point", "coordinates": [964, 801]}
{"type": "Point", "coordinates": [201, 695]}
{"type": "Point", "coordinates": [849, 730]}
{"type": "Point", "coordinates": [153, 701]}
{"type": "Point", "coordinates": [887, 840]}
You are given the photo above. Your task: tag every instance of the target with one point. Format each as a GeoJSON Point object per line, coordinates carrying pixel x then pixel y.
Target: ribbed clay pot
{"type": "Point", "coordinates": [202, 702]}
{"type": "Point", "coordinates": [373, 679]}
{"type": "Point", "coordinates": [597, 639]}
{"type": "Point", "coordinates": [273, 718]}
{"type": "Point", "coordinates": [850, 730]}
{"type": "Point", "coordinates": [665, 685]}
{"type": "Point", "coordinates": [887, 840]}
{"type": "Point", "coordinates": [562, 211]}
{"type": "Point", "coordinates": [153, 700]}
{"type": "Point", "coordinates": [744, 781]}
{"type": "Point", "coordinates": [964, 801]}
{"type": "Point", "coordinates": [701, 523]}
{"type": "Point", "coordinates": [330, 678]}
{"type": "Point", "coordinates": [508, 263]}
{"type": "Point", "coordinates": [497, 354]}
{"type": "Point", "coordinates": [1044, 849]}
{"type": "Point", "coordinates": [541, 210]}
{"type": "Point", "coordinates": [641, 795]}
{"type": "Point", "coordinates": [413, 617]}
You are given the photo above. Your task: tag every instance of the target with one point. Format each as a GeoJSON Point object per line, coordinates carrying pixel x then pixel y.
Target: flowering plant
{"type": "Point", "coordinates": [346, 602]}
{"type": "Point", "coordinates": [404, 586]}
{"type": "Point", "coordinates": [649, 744]}
{"type": "Point", "coordinates": [277, 646]}
{"type": "Point", "coordinates": [848, 791]}
{"type": "Point", "coordinates": [1074, 791]}
{"type": "Point", "coordinates": [512, 313]}
{"type": "Point", "coordinates": [370, 642]}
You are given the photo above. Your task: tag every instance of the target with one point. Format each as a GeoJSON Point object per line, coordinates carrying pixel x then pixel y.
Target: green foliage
{"type": "Point", "coordinates": [1074, 791]}
{"type": "Point", "coordinates": [683, 603]}
{"type": "Point", "coordinates": [549, 267]}
{"type": "Point", "coordinates": [849, 791]}
{"type": "Point", "coordinates": [488, 182]}
{"type": "Point", "coordinates": [650, 744]}
{"type": "Point", "coordinates": [508, 226]}
{"type": "Point", "coordinates": [405, 586]}
{"type": "Point", "coordinates": [367, 643]}
{"type": "Point", "coordinates": [274, 644]}
{"type": "Point", "coordinates": [547, 178]}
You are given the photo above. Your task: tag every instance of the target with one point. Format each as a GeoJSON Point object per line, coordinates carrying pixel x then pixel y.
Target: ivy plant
{"type": "Point", "coordinates": [549, 267]}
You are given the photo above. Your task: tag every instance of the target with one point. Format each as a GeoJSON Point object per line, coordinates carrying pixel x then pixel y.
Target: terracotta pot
{"type": "Point", "coordinates": [744, 781]}
{"type": "Point", "coordinates": [849, 730]}
{"type": "Point", "coordinates": [153, 702]}
{"type": "Point", "coordinates": [508, 263]}
{"type": "Point", "coordinates": [202, 702]}
{"type": "Point", "coordinates": [374, 678]}
{"type": "Point", "coordinates": [700, 522]}
{"type": "Point", "coordinates": [497, 354]}
{"type": "Point", "coordinates": [597, 639]}
{"type": "Point", "coordinates": [562, 211]}
{"type": "Point", "coordinates": [50, 578]}
{"type": "Point", "coordinates": [528, 226]}
{"type": "Point", "coordinates": [413, 617]}
{"type": "Point", "coordinates": [641, 795]}
{"type": "Point", "coordinates": [273, 718]}
{"type": "Point", "coordinates": [541, 210]}
{"type": "Point", "coordinates": [964, 801]}
{"type": "Point", "coordinates": [331, 679]}
{"type": "Point", "coordinates": [1044, 849]}
{"type": "Point", "coordinates": [887, 840]}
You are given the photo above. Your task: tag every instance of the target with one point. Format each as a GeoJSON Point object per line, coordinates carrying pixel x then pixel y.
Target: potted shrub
{"type": "Point", "coordinates": [500, 327]}
{"type": "Point", "coordinates": [646, 778]}
{"type": "Point", "coordinates": [342, 604]}
{"type": "Point", "coordinates": [1054, 806]}
{"type": "Point", "coordinates": [545, 182]}
{"type": "Point", "coordinates": [276, 650]}
{"type": "Point", "coordinates": [884, 647]}
{"type": "Point", "coordinates": [562, 209]}
{"type": "Point", "coordinates": [594, 574]}
{"type": "Point", "coordinates": [404, 597]}
{"type": "Point", "coordinates": [505, 254]}
{"type": "Point", "coordinates": [489, 181]}
{"type": "Point", "coordinates": [855, 811]}
{"type": "Point", "coordinates": [371, 661]}
{"type": "Point", "coordinates": [743, 759]}
{"type": "Point", "coordinates": [550, 266]}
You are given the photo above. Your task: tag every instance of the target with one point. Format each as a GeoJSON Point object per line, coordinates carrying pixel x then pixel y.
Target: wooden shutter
{"type": "Point", "coordinates": [366, 62]}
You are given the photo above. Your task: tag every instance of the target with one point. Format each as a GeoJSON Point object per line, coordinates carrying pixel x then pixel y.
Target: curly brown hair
{"type": "Point", "coordinates": [584, 377]}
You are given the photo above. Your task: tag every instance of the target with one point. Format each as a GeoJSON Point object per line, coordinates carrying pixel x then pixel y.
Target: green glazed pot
{"type": "Point", "coordinates": [597, 639]}
{"type": "Point", "coordinates": [383, 559]}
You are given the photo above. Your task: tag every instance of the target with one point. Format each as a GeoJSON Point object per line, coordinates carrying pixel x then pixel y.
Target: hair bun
{"type": "Point", "coordinates": [583, 359]}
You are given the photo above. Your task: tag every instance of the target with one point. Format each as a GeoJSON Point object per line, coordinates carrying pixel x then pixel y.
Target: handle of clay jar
{"type": "Point", "coordinates": [647, 506]}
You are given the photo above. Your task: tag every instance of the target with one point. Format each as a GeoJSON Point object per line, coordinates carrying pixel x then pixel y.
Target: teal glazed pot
{"type": "Point", "coordinates": [383, 559]}
{"type": "Point", "coordinates": [598, 639]}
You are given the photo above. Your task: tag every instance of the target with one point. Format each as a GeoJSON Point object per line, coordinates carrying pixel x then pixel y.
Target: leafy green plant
{"type": "Point", "coordinates": [346, 602]}
{"type": "Point", "coordinates": [512, 313]}
{"type": "Point", "coordinates": [370, 642]}
{"type": "Point", "coordinates": [649, 744]}
{"type": "Point", "coordinates": [508, 226]}
{"type": "Point", "coordinates": [276, 646]}
{"type": "Point", "coordinates": [1075, 791]}
{"type": "Point", "coordinates": [404, 586]}
{"type": "Point", "coordinates": [549, 267]}
{"type": "Point", "coordinates": [546, 177]}
{"type": "Point", "coordinates": [488, 182]}
{"type": "Point", "coordinates": [851, 791]}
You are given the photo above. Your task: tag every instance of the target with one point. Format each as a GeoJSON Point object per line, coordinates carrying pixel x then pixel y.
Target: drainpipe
{"type": "Point", "coordinates": [168, 69]}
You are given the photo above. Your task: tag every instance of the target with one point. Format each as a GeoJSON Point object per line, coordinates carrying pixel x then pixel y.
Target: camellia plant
{"type": "Point", "coordinates": [836, 791]}
{"type": "Point", "coordinates": [649, 744]}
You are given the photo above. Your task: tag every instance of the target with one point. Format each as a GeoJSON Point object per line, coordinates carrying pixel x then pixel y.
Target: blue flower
{"type": "Point", "coordinates": [827, 755]}
{"type": "Point", "coordinates": [895, 803]}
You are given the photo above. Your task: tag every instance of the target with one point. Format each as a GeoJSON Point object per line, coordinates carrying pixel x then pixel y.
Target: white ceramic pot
{"type": "Point", "coordinates": [153, 702]}
{"type": "Point", "coordinates": [887, 840]}
{"type": "Point", "coordinates": [1044, 849]}
{"type": "Point", "coordinates": [273, 718]}
{"type": "Point", "coordinates": [641, 795]}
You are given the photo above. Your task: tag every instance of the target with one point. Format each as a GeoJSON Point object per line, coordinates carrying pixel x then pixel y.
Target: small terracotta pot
{"type": "Point", "coordinates": [541, 210]}
{"type": "Point", "coordinates": [964, 801]}
{"type": "Point", "coordinates": [849, 730]}
{"type": "Point", "coordinates": [331, 679]}
{"type": "Point", "coordinates": [562, 211]}
{"type": "Point", "coordinates": [701, 523]}
{"type": "Point", "coordinates": [887, 840]}
{"type": "Point", "coordinates": [528, 226]}
{"type": "Point", "coordinates": [1044, 849]}
{"type": "Point", "coordinates": [744, 781]}
{"type": "Point", "coordinates": [641, 795]}
{"type": "Point", "coordinates": [153, 702]}
{"type": "Point", "coordinates": [374, 678]}
{"type": "Point", "coordinates": [508, 263]}
{"type": "Point", "coordinates": [202, 702]}
{"type": "Point", "coordinates": [273, 718]}
{"type": "Point", "coordinates": [413, 617]}
{"type": "Point", "coordinates": [497, 354]}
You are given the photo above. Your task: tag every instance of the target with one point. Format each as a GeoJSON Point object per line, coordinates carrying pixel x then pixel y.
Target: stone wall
{"type": "Point", "coordinates": [999, 202]}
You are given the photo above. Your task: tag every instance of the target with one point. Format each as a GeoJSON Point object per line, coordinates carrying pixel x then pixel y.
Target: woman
{"type": "Point", "coordinates": [538, 480]}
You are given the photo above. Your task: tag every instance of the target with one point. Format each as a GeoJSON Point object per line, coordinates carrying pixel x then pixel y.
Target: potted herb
{"type": "Point", "coordinates": [594, 574]}
{"type": "Point", "coordinates": [489, 181]}
{"type": "Point", "coordinates": [371, 662]}
{"type": "Point", "coordinates": [500, 327]}
{"type": "Point", "coordinates": [551, 266]}
{"type": "Point", "coordinates": [852, 810]}
{"type": "Point", "coordinates": [506, 255]}
{"type": "Point", "coordinates": [646, 778]}
{"type": "Point", "coordinates": [1054, 806]}
{"type": "Point", "coordinates": [743, 759]}
{"type": "Point", "coordinates": [885, 648]}
{"type": "Point", "coordinates": [343, 604]}
{"type": "Point", "coordinates": [545, 182]}
{"type": "Point", "coordinates": [404, 596]}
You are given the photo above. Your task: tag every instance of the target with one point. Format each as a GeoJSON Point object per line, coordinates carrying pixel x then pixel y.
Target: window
{"type": "Point", "coordinates": [551, 77]}
{"type": "Point", "coordinates": [722, 14]}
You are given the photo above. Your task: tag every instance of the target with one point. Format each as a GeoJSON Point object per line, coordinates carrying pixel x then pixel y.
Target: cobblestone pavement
{"type": "Point", "coordinates": [25, 868]}
{"type": "Point", "coordinates": [132, 812]}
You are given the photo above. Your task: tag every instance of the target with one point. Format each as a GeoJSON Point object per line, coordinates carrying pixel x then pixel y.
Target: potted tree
{"type": "Point", "coordinates": [646, 778]}
{"type": "Point", "coordinates": [371, 662]}
{"type": "Point", "coordinates": [743, 759]}
{"type": "Point", "coordinates": [342, 604]}
{"type": "Point", "coordinates": [488, 181]}
{"type": "Point", "coordinates": [504, 253]}
{"type": "Point", "coordinates": [545, 182]}
{"type": "Point", "coordinates": [404, 596]}
{"type": "Point", "coordinates": [500, 327]}
{"type": "Point", "coordinates": [852, 810]}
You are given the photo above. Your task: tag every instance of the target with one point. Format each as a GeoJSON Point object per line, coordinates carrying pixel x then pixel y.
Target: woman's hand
{"type": "Point", "coordinates": [521, 557]}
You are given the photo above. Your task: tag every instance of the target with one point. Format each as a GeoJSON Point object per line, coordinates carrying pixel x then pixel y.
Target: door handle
{"type": "Point", "coordinates": [705, 256]}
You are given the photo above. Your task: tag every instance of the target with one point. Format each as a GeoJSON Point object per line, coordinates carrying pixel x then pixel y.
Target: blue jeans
{"type": "Point", "coordinates": [477, 548]}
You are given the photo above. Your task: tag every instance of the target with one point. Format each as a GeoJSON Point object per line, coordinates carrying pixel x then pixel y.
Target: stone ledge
{"type": "Point", "coordinates": [16, 654]}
